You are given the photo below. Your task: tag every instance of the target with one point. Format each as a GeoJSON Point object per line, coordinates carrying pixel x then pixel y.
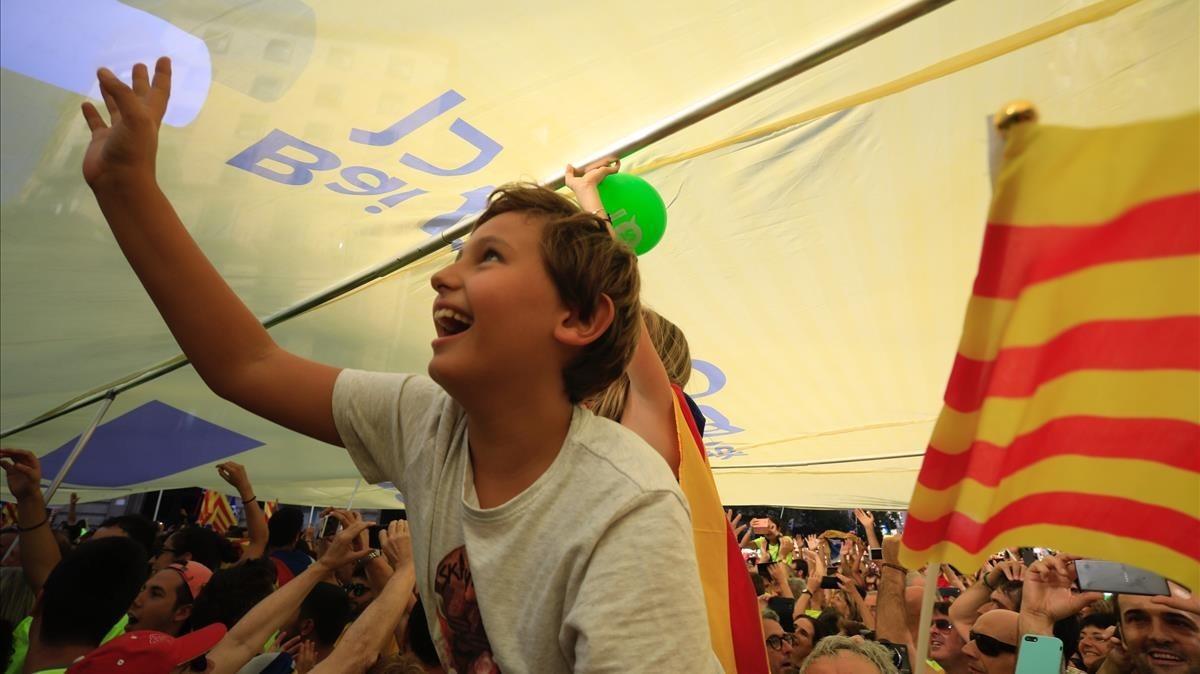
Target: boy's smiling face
{"type": "Point", "coordinates": [496, 309]}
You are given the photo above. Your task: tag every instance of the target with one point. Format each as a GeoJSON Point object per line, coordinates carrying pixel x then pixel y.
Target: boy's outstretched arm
{"type": "Point", "coordinates": [228, 346]}
{"type": "Point", "coordinates": [650, 410]}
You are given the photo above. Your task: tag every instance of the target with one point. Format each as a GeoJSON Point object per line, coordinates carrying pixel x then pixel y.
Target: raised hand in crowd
{"type": "Point", "coordinates": [39, 551]}
{"type": "Point", "coordinates": [1048, 597]}
{"type": "Point", "coordinates": [990, 588]}
{"type": "Point", "coordinates": [362, 643]}
{"type": "Point", "coordinates": [780, 573]}
{"type": "Point", "coordinates": [867, 520]}
{"type": "Point", "coordinates": [256, 519]}
{"type": "Point", "coordinates": [396, 543]}
{"type": "Point", "coordinates": [952, 577]}
{"type": "Point", "coordinates": [305, 657]}
{"type": "Point", "coordinates": [247, 637]}
{"type": "Point", "coordinates": [812, 542]}
{"type": "Point", "coordinates": [740, 531]}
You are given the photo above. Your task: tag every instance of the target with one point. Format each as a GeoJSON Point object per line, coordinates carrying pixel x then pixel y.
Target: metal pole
{"type": "Point", "coordinates": [156, 506]}
{"type": "Point", "coordinates": [813, 56]}
{"type": "Point", "coordinates": [357, 484]}
{"type": "Point", "coordinates": [79, 445]}
{"type": "Point", "coordinates": [312, 513]}
{"type": "Point", "coordinates": [822, 462]}
{"type": "Point", "coordinates": [71, 458]}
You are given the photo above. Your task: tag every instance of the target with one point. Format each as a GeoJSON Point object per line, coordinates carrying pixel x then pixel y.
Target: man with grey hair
{"type": "Point", "coordinates": [845, 655]}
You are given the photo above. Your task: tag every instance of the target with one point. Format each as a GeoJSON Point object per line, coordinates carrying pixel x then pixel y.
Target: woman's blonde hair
{"type": "Point", "coordinates": [672, 347]}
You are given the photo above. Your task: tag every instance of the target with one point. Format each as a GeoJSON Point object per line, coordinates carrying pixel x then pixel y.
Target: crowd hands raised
{"type": "Point", "coordinates": [129, 596]}
{"type": "Point", "coordinates": [824, 608]}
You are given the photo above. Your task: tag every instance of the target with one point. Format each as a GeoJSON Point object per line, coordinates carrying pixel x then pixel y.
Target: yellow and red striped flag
{"type": "Point", "coordinates": [269, 508]}
{"type": "Point", "coordinates": [216, 511]}
{"type": "Point", "coordinates": [1072, 415]}
{"type": "Point", "coordinates": [734, 621]}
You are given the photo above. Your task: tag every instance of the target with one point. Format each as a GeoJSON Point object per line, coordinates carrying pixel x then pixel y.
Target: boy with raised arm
{"type": "Point", "coordinates": [492, 450]}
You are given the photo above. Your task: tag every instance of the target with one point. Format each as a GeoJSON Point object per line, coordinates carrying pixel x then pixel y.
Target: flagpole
{"type": "Point", "coordinates": [931, 575]}
{"type": "Point", "coordinates": [71, 458]}
{"type": "Point", "coordinates": [354, 493]}
{"type": "Point", "coordinates": [156, 506]}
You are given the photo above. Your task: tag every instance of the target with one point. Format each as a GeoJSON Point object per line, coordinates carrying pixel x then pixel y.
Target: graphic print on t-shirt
{"type": "Point", "coordinates": [470, 652]}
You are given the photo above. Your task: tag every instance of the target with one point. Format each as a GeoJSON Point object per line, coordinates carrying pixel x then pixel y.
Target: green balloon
{"type": "Point", "coordinates": [638, 213]}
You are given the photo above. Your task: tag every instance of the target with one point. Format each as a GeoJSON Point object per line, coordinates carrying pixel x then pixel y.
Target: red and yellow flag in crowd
{"type": "Point", "coordinates": [216, 512]}
{"type": "Point", "coordinates": [8, 515]}
{"type": "Point", "coordinates": [1072, 415]}
{"type": "Point", "coordinates": [733, 616]}
{"type": "Point", "coordinates": [269, 508]}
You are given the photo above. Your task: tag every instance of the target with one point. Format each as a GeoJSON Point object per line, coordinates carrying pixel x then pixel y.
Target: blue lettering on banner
{"type": "Point", "coordinates": [288, 160]}
{"type": "Point", "coordinates": [718, 425]}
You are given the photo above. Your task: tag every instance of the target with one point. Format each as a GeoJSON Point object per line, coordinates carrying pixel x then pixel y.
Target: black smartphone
{"type": "Point", "coordinates": [949, 592]}
{"type": "Point", "coordinates": [329, 528]}
{"type": "Point", "coordinates": [1028, 556]}
{"type": "Point", "coordinates": [830, 583]}
{"type": "Point", "coordinates": [1099, 576]}
{"type": "Point", "coordinates": [899, 656]}
{"type": "Point", "coordinates": [373, 536]}
{"type": "Point", "coordinates": [877, 554]}
{"type": "Point", "coordinates": [764, 570]}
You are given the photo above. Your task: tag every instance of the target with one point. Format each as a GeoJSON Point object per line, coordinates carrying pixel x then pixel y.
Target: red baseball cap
{"type": "Point", "coordinates": [148, 652]}
{"type": "Point", "coordinates": [195, 575]}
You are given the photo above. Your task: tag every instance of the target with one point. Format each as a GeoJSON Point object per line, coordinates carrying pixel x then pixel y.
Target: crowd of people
{"type": "Point", "coordinates": [828, 597]}
{"type": "Point", "coordinates": [550, 448]}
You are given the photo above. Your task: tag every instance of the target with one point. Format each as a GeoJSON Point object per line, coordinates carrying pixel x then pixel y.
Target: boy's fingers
{"type": "Point", "coordinates": [160, 88]}
{"type": "Point", "coordinates": [124, 100]}
{"type": "Point", "coordinates": [92, 116]}
{"type": "Point", "coordinates": [141, 79]}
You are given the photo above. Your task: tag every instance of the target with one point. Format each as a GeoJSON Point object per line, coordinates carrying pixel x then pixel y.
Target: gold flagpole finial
{"type": "Point", "coordinates": [1015, 112]}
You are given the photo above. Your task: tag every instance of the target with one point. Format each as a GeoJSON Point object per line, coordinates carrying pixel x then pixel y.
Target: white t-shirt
{"type": "Point", "coordinates": [590, 569]}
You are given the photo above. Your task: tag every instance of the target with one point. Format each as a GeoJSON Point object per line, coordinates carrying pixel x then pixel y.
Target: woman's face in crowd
{"type": "Point", "coordinates": [1092, 646]}
{"type": "Point", "coordinates": [839, 602]}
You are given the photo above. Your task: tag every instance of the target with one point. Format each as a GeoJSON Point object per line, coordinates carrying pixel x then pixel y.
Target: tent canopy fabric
{"type": "Point", "coordinates": [820, 271]}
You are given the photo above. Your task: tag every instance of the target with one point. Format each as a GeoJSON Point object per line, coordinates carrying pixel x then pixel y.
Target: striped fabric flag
{"type": "Point", "coordinates": [733, 616]}
{"type": "Point", "coordinates": [1072, 415]}
{"type": "Point", "coordinates": [216, 512]}
{"type": "Point", "coordinates": [269, 508]}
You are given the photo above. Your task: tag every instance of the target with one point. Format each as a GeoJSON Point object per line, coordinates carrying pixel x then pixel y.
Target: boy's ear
{"type": "Point", "coordinates": [574, 331]}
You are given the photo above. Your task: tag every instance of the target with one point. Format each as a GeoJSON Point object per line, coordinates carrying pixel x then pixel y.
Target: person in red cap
{"type": "Point", "coordinates": [146, 652]}
{"type": "Point", "coordinates": [165, 601]}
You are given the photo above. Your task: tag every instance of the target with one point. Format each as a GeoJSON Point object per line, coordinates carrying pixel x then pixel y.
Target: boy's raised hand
{"type": "Point", "coordinates": [129, 145]}
{"type": "Point", "coordinates": [583, 183]}
{"type": "Point", "coordinates": [592, 174]}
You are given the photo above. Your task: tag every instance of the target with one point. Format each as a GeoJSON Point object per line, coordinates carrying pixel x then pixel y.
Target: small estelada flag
{"type": "Point", "coordinates": [1072, 415]}
{"type": "Point", "coordinates": [269, 508]}
{"type": "Point", "coordinates": [216, 512]}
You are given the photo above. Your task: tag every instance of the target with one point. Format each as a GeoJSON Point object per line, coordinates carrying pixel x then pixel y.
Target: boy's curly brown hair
{"type": "Point", "coordinates": [584, 262]}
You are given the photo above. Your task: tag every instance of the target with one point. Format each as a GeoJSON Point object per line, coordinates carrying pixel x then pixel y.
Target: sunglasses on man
{"type": "Point", "coordinates": [991, 646]}
{"type": "Point", "coordinates": [942, 624]}
{"type": "Point", "coordinates": [775, 641]}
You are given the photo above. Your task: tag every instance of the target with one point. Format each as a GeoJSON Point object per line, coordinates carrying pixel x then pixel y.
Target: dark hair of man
{"type": "Point", "coordinates": [89, 591]}
{"type": "Point", "coordinates": [205, 546]}
{"type": "Point", "coordinates": [827, 624]}
{"type": "Point", "coordinates": [284, 527]}
{"type": "Point", "coordinates": [329, 609]}
{"type": "Point", "coordinates": [232, 592]}
{"type": "Point", "coordinates": [941, 608]}
{"type": "Point", "coordinates": [1100, 621]}
{"type": "Point", "coordinates": [137, 528]}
